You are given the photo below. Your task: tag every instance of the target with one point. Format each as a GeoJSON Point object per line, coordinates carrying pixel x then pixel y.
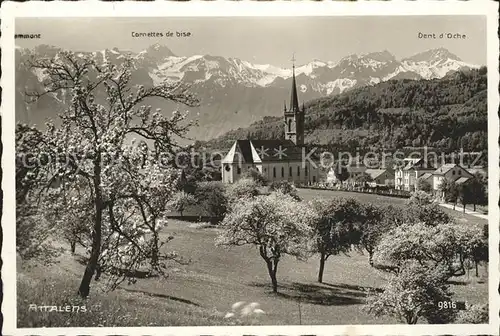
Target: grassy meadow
{"type": "Point", "coordinates": [202, 292]}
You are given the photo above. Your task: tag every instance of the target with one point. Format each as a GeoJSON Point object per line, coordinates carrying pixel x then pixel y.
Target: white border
{"type": "Point", "coordinates": [10, 11]}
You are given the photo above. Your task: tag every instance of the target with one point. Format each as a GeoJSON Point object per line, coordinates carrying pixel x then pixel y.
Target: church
{"type": "Point", "coordinates": [276, 160]}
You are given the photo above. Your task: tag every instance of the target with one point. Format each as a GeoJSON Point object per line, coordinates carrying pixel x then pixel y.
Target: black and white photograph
{"type": "Point", "coordinates": [218, 170]}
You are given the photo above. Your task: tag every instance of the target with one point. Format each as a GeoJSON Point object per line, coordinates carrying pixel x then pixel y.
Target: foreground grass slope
{"type": "Point", "coordinates": [201, 292]}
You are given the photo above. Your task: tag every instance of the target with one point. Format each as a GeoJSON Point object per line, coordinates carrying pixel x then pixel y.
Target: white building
{"type": "Point", "coordinates": [406, 177]}
{"type": "Point", "coordinates": [276, 160]}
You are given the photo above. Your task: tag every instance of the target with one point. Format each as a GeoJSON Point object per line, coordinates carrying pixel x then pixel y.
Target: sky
{"type": "Point", "coordinates": [266, 40]}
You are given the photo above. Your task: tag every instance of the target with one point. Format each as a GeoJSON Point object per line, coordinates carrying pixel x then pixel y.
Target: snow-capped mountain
{"type": "Point", "coordinates": [235, 92]}
{"type": "Point", "coordinates": [435, 63]}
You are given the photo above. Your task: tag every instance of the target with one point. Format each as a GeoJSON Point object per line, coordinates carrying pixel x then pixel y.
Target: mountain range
{"type": "Point", "coordinates": [233, 92]}
{"type": "Point", "coordinates": [446, 115]}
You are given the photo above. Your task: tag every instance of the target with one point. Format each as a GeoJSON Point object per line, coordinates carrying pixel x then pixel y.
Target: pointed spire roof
{"type": "Point", "coordinates": [294, 99]}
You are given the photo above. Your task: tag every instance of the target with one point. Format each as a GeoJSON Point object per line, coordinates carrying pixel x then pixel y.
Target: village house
{"type": "Point", "coordinates": [449, 171]}
{"type": "Point", "coordinates": [276, 160]}
{"type": "Point", "coordinates": [381, 177]}
{"type": "Point", "coordinates": [354, 171]}
{"type": "Point", "coordinates": [406, 176]}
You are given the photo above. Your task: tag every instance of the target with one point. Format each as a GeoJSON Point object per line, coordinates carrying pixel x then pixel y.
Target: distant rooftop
{"type": "Point", "coordinates": [374, 173]}
{"type": "Point", "coordinates": [444, 168]}
{"type": "Point", "coordinates": [462, 180]}
{"type": "Point", "coordinates": [257, 151]}
{"type": "Point", "coordinates": [425, 176]}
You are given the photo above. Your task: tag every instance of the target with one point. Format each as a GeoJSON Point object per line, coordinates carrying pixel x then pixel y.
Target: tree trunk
{"type": "Point", "coordinates": [321, 267]}
{"type": "Point", "coordinates": [84, 289]}
{"type": "Point", "coordinates": [181, 213]}
{"type": "Point", "coordinates": [73, 247]}
{"type": "Point", "coordinates": [477, 270]}
{"type": "Point", "coordinates": [97, 273]}
{"type": "Point", "coordinates": [155, 252]}
{"type": "Point", "coordinates": [474, 206]}
{"type": "Point", "coordinates": [370, 253]}
{"type": "Point", "coordinates": [464, 208]}
{"type": "Point", "coordinates": [274, 282]}
{"type": "Point", "coordinates": [272, 274]}
{"type": "Point", "coordinates": [411, 318]}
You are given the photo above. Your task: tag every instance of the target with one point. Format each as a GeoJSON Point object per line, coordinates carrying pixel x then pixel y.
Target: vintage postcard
{"type": "Point", "coordinates": [245, 168]}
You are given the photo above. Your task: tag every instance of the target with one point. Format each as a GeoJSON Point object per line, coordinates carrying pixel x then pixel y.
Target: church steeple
{"type": "Point", "coordinates": [294, 116]}
{"type": "Point", "coordinates": [294, 99]}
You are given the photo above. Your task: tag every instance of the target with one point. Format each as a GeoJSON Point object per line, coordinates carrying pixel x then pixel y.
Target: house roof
{"type": "Point", "coordinates": [448, 166]}
{"type": "Point", "coordinates": [414, 160]}
{"type": "Point", "coordinates": [356, 169]}
{"type": "Point", "coordinates": [374, 173]}
{"type": "Point", "coordinates": [410, 163]}
{"type": "Point", "coordinates": [475, 170]}
{"type": "Point", "coordinates": [425, 176]}
{"type": "Point", "coordinates": [444, 168]}
{"type": "Point", "coordinates": [418, 163]}
{"type": "Point", "coordinates": [462, 180]}
{"type": "Point", "coordinates": [258, 151]}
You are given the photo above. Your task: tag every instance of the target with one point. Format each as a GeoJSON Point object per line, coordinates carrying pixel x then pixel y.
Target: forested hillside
{"type": "Point", "coordinates": [448, 113]}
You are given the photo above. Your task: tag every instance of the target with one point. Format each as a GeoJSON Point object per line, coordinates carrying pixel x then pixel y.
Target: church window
{"type": "Point", "coordinates": [228, 168]}
{"type": "Point", "coordinates": [274, 172]}
{"type": "Point", "coordinates": [265, 170]}
{"type": "Point", "coordinates": [289, 125]}
{"type": "Point", "coordinates": [282, 171]}
{"type": "Point", "coordinates": [298, 171]}
{"type": "Point", "coordinates": [238, 171]}
{"type": "Point", "coordinates": [459, 172]}
{"type": "Point", "coordinates": [453, 172]}
{"type": "Point", "coordinates": [290, 171]}
{"type": "Point", "coordinates": [306, 171]}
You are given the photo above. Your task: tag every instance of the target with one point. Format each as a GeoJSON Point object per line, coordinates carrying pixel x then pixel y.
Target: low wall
{"type": "Point", "coordinates": [394, 193]}
{"type": "Point", "coordinates": [195, 219]}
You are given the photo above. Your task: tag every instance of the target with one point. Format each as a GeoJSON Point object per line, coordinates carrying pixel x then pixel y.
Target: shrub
{"type": "Point", "coordinates": [33, 234]}
{"type": "Point", "coordinates": [255, 174]}
{"type": "Point", "coordinates": [413, 294]}
{"type": "Point", "coordinates": [180, 201]}
{"type": "Point", "coordinates": [242, 189]}
{"type": "Point", "coordinates": [430, 214]}
{"type": "Point", "coordinates": [423, 185]}
{"type": "Point", "coordinates": [474, 314]}
{"type": "Point", "coordinates": [212, 197]}
{"type": "Point", "coordinates": [420, 197]}
{"type": "Point", "coordinates": [285, 187]}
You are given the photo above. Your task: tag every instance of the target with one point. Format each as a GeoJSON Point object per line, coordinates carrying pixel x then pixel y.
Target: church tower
{"type": "Point", "coordinates": [294, 116]}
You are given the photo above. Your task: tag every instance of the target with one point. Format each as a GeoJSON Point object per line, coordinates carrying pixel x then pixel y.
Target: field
{"type": "Point", "coordinates": [202, 292]}
{"type": "Point", "coordinates": [308, 194]}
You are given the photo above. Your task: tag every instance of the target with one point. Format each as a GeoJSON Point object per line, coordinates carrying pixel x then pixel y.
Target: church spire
{"type": "Point", "coordinates": [294, 117]}
{"type": "Point", "coordinates": [294, 100]}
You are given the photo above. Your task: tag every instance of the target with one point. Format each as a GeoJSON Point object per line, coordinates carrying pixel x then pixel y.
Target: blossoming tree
{"type": "Point", "coordinates": [276, 224]}
{"type": "Point", "coordinates": [413, 294]}
{"type": "Point", "coordinates": [337, 228]}
{"type": "Point", "coordinates": [118, 187]}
